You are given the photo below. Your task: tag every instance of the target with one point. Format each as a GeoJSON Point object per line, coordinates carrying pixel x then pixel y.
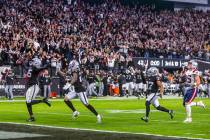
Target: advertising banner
{"type": "Point", "coordinates": [158, 62]}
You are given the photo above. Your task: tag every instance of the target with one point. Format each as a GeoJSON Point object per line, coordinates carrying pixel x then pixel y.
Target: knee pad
{"type": "Point", "coordinates": [66, 99]}
{"type": "Point", "coordinates": [28, 102]}
{"type": "Point", "coordinates": [85, 104]}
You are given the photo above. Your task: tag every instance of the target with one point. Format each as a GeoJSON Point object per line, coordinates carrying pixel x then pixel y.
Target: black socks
{"type": "Point", "coordinates": [162, 109]}
{"type": "Point", "coordinates": [29, 107]}
{"type": "Point", "coordinates": [70, 105]}
{"type": "Point", "coordinates": [92, 109]}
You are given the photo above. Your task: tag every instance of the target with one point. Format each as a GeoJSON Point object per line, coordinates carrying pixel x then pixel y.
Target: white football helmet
{"type": "Point", "coordinates": [153, 71]}
{"type": "Point", "coordinates": [193, 64]}
{"type": "Point", "coordinates": [73, 66]}
{"type": "Point", "coordinates": [36, 62]}
{"type": "Point", "coordinates": [127, 71]}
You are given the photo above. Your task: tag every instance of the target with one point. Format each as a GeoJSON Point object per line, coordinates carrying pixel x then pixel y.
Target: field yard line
{"type": "Point", "coordinates": [103, 98]}
{"type": "Point", "coordinates": [106, 131]}
{"type": "Point", "coordinates": [176, 112]}
{"type": "Point", "coordinates": [188, 133]}
{"type": "Point", "coordinates": [57, 100]}
{"type": "Point", "coordinates": [69, 114]}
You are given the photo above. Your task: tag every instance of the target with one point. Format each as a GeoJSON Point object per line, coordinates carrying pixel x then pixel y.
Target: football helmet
{"type": "Point", "coordinates": [73, 66]}
{"type": "Point", "coordinates": [36, 62]}
{"type": "Point", "coordinates": [192, 64]}
{"type": "Point", "coordinates": [153, 71]}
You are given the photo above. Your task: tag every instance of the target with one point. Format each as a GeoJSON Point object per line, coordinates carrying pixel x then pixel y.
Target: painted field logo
{"type": "Point", "coordinates": [137, 111]}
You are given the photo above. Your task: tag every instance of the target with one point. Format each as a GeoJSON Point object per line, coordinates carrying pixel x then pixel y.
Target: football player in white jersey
{"type": "Point", "coordinates": [192, 81]}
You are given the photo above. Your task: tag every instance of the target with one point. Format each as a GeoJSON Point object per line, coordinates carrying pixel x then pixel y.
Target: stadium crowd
{"type": "Point", "coordinates": [107, 34]}
{"type": "Point", "coordinates": [103, 36]}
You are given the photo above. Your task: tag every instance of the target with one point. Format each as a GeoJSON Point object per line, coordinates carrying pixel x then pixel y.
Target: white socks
{"type": "Point", "coordinates": [188, 110]}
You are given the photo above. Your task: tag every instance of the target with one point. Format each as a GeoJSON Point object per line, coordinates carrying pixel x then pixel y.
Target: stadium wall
{"type": "Point", "coordinates": [20, 87]}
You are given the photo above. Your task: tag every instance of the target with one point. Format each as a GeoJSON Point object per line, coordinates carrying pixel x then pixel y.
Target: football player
{"type": "Point", "coordinates": [91, 78]}
{"type": "Point", "coordinates": [139, 83]}
{"type": "Point", "coordinates": [9, 84]}
{"type": "Point", "coordinates": [129, 85]}
{"type": "Point", "coordinates": [191, 90]}
{"type": "Point", "coordinates": [79, 83]}
{"type": "Point", "coordinates": [33, 87]}
{"type": "Point", "coordinates": [155, 90]}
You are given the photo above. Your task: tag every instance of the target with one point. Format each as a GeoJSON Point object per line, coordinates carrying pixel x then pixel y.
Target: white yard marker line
{"type": "Point", "coordinates": [176, 112]}
{"type": "Point", "coordinates": [103, 98]}
{"type": "Point", "coordinates": [188, 133]}
{"type": "Point", "coordinates": [16, 135]}
{"type": "Point", "coordinates": [200, 134]}
{"type": "Point", "coordinates": [103, 131]}
{"type": "Point", "coordinates": [106, 116]}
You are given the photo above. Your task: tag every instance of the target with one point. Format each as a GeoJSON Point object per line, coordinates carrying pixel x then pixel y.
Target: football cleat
{"type": "Point", "coordinates": [188, 120]}
{"type": "Point", "coordinates": [171, 113]}
{"type": "Point", "coordinates": [31, 119]}
{"type": "Point", "coordinates": [145, 119]}
{"type": "Point", "coordinates": [46, 101]}
{"type": "Point", "coordinates": [127, 95]}
{"type": "Point", "coordinates": [75, 114]}
{"type": "Point", "coordinates": [200, 103]}
{"type": "Point", "coordinates": [98, 118]}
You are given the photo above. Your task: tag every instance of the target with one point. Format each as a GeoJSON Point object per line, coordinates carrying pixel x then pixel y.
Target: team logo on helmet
{"type": "Point", "coordinates": [153, 71]}
{"type": "Point", "coordinates": [73, 66]}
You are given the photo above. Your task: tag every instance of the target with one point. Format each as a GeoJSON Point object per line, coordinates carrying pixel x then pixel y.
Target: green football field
{"type": "Point", "coordinates": [118, 115]}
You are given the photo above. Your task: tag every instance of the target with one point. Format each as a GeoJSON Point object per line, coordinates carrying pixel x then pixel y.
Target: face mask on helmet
{"type": "Point", "coordinates": [36, 62]}
{"type": "Point", "coordinates": [195, 64]}
{"type": "Point", "coordinates": [153, 71]}
{"type": "Point", "coordinates": [127, 71]}
{"type": "Point", "coordinates": [73, 66]}
{"type": "Point", "coordinates": [192, 64]}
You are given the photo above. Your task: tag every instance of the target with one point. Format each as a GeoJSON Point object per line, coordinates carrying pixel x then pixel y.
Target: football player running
{"type": "Point", "coordinates": [155, 90]}
{"type": "Point", "coordinates": [78, 82]}
{"type": "Point", "coordinates": [191, 90]}
{"type": "Point", "coordinates": [33, 87]}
